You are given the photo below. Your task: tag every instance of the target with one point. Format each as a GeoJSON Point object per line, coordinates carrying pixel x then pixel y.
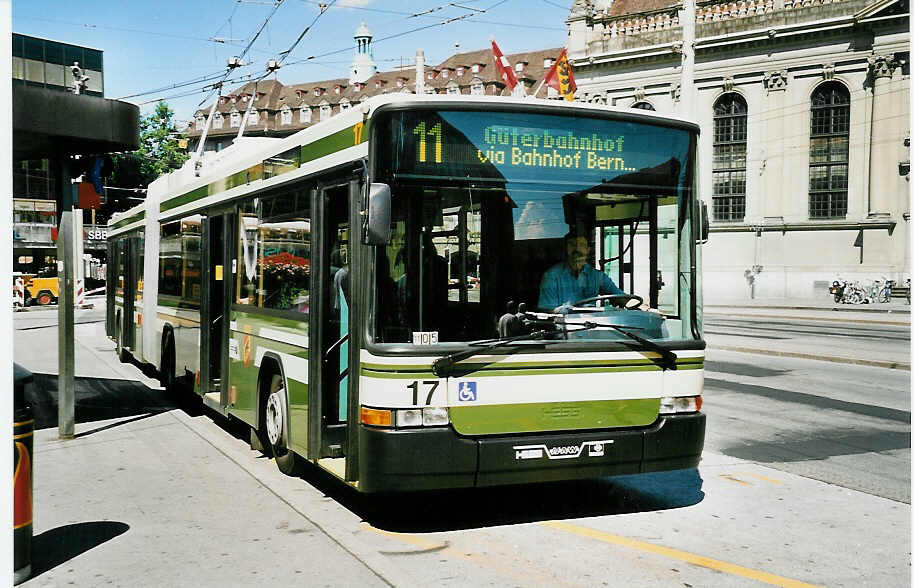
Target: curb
{"type": "Point", "coordinates": [895, 365]}
{"type": "Point", "coordinates": [855, 308]}
{"type": "Point", "coordinates": [901, 322]}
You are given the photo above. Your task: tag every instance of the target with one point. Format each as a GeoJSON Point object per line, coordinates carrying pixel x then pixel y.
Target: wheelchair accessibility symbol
{"type": "Point", "coordinates": [466, 392]}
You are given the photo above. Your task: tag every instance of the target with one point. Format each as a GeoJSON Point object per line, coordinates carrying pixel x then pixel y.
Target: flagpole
{"type": "Point", "coordinates": [539, 87]}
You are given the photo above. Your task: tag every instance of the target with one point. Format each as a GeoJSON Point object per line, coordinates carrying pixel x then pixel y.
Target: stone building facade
{"type": "Point", "coordinates": [805, 115]}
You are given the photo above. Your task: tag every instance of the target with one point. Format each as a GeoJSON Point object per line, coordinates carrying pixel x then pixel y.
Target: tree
{"type": "Point", "coordinates": [158, 154]}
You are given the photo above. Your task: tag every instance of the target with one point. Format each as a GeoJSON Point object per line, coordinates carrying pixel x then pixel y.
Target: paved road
{"type": "Point", "coordinates": [879, 339]}
{"type": "Point", "coordinates": [804, 479]}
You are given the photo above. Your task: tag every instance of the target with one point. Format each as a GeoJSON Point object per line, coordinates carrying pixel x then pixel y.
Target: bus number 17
{"type": "Point", "coordinates": [432, 386]}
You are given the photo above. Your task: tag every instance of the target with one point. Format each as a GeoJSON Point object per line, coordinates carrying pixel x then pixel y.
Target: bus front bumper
{"type": "Point", "coordinates": [438, 458]}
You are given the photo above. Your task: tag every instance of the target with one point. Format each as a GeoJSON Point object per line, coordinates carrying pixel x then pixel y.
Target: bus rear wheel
{"type": "Point", "coordinates": [118, 341]}
{"type": "Point", "coordinates": [167, 375]}
{"type": "Point", "coordinates": [275, 418]}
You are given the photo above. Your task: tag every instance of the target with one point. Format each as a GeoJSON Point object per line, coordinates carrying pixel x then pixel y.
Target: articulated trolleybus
{"type": "Point", "coordinates": [414, 294]}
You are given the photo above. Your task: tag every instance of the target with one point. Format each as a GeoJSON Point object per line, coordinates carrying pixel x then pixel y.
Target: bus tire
{"type": "Point", "coordinates": [274, 423]}
{"type": "Point", "coordinates": [168, 375]}
{"type": "Point", "coordinates": [119, 349]}
{"type": "Point", "coordinates": [44, 298]}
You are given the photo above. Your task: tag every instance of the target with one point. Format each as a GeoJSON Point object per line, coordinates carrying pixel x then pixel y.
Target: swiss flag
{"type": "Point", "coordinates": [504, 68]}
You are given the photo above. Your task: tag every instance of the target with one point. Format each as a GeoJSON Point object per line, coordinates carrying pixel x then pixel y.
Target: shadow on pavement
{"type": "Point", "coordinates": [98, 399]}
{"type": "Point", "coordinates": [56, 546]}
{"type": "Point", "coordinates": [828, 443]}
{"type": "Point", "coordinates": [427, 512]}
{"type": "Point", "coordinates": [891, 414]}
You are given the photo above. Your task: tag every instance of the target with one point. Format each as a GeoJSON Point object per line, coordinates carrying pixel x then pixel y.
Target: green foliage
{"type": "Point", "coordinates": [158, 154]}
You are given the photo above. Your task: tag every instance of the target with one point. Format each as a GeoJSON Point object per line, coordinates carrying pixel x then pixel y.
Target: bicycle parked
{"type": "Point", "coordinates": [882, 290]}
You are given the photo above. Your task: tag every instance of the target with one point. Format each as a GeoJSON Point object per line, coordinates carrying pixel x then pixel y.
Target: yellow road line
{"type": "Point", "coordinates": [691, 558]}
{"type": "Point", "coordinates": [734, 479]}
{"type": "Point", "coordinates": [762, 478]}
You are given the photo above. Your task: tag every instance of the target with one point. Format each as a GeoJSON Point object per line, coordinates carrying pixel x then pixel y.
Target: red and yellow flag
{"type": "Point", "coordinates": [561, 78]}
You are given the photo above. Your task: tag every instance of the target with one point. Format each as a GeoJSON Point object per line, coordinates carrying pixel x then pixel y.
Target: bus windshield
{"type": "Point", "coordinates": [497, 212]}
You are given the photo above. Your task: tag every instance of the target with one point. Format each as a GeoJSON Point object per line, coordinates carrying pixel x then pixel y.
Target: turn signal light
{"type": "Point", "coordinates": [375, 417]}
{"type": "Point", "coordinates": [679, 404]}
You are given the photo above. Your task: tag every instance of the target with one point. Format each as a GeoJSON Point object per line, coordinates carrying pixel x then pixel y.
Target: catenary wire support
{"type": "Point", "coordinates": [198, 161]}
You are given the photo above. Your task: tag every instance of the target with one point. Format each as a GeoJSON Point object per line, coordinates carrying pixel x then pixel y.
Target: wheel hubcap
{"type": "Point", "coordinates": [274, 418]}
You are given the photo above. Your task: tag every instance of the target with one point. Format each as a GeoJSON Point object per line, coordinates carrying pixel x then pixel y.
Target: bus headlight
{"type": "Point", "coordinates": [435, 416]}
{"type": "Point", "coordinates": [409, 417]}
{"type": "Point", "coordinates": [679, 404]}
{"type": "Point", "coordinates": [403, 418]}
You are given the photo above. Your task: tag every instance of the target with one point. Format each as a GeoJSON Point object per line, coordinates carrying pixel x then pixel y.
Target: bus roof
{"type": "Point", "coordinates": [217, 168]}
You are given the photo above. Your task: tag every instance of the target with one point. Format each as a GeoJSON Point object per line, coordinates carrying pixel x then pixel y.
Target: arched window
{"type": "Point", "coordinates": [729, 170]}
{"type": "Point", "coordinates": [345, 104]}
{"type": "Point", "coordinates": [304, 115]}
{"type": "Point", "coordinates": [285, 115]}
{"type": "Point", "coordinates": [217, 120]}
{"type": "Point", "coordinates": [642, 105]}
{"type": "Point", "coordinates": [201, 122]}
{"type": "Point", "coordinates": [253, 118]}
{"type": "Point", "coordinates": [234, 118]}
{"type": "Point", "coordinates": [476, 88]}
{"type": "Point", "coordinates": [326, 110]}
{"type": "Point", "coordinates": [828, 140]}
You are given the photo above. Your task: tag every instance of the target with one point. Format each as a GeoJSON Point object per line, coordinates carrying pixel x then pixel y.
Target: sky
{"type": "Point", "coordinates": [150, 46]}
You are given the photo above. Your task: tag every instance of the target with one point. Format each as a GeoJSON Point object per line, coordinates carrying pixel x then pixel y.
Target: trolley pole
{"type": "Point", "coordinates": [687, 79]}
{"type": "Point", "coordinates": [66, 384]}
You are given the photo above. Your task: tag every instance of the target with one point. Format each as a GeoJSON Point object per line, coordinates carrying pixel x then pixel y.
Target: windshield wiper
{"type": "Point", "coordinates": [669, 358]}
{"type": "Point", "coordinates": [442, 366]}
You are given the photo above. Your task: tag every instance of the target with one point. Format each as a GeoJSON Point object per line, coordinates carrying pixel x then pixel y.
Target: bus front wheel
{"type": "Point", "coordinates": [275, 420]}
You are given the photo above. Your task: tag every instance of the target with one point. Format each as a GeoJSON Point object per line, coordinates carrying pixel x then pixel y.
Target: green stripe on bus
{"type": "Point", "coordinates": [395, 370]}
{"type": "Point", "coordinates": [343, 139]}
{"type": "Point", "coordinates": [328, 145]}
{"type": "Point", "coordinates": [553, 416]}
{"type": "Point", "coordinates": [132, 219]}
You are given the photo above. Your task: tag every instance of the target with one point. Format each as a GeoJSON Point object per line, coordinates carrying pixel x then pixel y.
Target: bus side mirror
{"type": "Point", "coordinates": [705, 223]}
{"type": "Point", "coordinates": [376, 225]}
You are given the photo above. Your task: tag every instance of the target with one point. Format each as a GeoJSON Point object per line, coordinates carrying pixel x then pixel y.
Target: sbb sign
{"type": "Point", "coordinates": [97, 234]}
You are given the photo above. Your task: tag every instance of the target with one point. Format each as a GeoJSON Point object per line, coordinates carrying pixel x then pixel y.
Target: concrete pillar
{"type": "Point", "coordinates": [775, 165]}
{"type": "Point", "coordinates": [884, 137]}
{"type": "Point", "coordinates": [66, 383]}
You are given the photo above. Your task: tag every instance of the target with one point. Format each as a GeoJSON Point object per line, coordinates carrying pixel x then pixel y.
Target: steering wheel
{"type": "Point", "coordinates": [620, 300]}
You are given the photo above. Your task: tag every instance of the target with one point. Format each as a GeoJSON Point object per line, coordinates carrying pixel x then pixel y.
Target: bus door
{"type": "Point", "coordinates": [126, 252]}
{"type": "Point", "coordinates": [330, 399]}
{"type": "Point", "coordinates": [634, 253]}
{"type": "Point", "coordinates": [214, 331]}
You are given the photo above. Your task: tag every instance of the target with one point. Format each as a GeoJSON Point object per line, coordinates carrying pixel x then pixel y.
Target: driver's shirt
{"type": "Point", "coordinates": [559, 286]}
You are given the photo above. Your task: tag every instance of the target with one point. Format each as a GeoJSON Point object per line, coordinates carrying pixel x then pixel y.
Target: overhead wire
{"type": "Point", "coordinates": [247, 48]}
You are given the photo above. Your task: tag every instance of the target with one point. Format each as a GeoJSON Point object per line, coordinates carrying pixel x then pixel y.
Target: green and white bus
{"type": "Point", "coordinates": [365, 294]}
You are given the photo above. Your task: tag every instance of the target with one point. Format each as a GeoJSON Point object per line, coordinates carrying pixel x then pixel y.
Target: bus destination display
{"type": "Point", "coordinates": [475, 144]}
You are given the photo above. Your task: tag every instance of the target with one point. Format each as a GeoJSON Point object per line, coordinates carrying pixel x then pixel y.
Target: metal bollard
{"type": "Point", "coordinates": [23, 434]}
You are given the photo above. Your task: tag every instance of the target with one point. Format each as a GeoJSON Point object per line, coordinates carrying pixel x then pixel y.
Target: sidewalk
{"type": "Point", "coordinates": [151, 494]}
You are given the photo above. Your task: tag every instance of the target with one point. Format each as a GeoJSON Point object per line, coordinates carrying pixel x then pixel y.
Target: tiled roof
{"type": "Point", "coordinates": [630, 7]}
{"type": "Point", "coordinates": [272, 95]}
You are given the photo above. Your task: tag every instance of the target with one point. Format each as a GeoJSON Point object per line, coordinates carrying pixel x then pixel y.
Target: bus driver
{"type": "Point", "coordinates": [574, 279]}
